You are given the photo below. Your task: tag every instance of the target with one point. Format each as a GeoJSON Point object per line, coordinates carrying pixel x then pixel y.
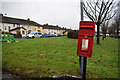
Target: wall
{"type": "Point", "coordinates": [52, 31]}
{"type": "Point", "coordinates": [7, 25]}
{"type": "Point", "coordinates": [23, 35]}
{"type": "Point", "coordinates": [38, 28]}
{"type": "Point", "coordinates": [29, 27]}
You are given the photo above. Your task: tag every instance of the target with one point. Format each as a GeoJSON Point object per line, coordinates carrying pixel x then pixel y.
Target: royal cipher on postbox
{"type": "Point", "coordinates": [86, 38]}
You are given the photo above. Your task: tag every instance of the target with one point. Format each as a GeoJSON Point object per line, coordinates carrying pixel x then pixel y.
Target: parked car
{"type": "Point", "coordinates": [57, 34]}
{"type": "Point", "coordinates": [48, 35]}
{"type": "Point", "coordinates": [34, 35]}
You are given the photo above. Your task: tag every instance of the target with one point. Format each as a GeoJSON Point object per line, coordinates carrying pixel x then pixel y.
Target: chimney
{"type": "Point", "coordinates": [1, 14]}
{"type": "Point", "coordinates": [28, 19]}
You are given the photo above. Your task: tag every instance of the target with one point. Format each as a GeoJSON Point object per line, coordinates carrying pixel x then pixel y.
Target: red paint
{"type": "Point", "coordinates": [86, 38]}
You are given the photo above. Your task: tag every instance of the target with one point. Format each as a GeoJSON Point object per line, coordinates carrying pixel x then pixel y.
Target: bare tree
{"type": "Point", "coordinates": [99, 11]}
{"type": "Point", "coordinates": [117, 20]}
{"type": "Point", "coordinates": [111, 30]}
{"type": "Point", "coordinates": [104, 28]}
{"type": "Point", "coordinates": [115, 25]}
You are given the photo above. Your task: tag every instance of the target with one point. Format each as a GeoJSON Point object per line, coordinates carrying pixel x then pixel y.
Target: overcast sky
{"type": "Point", "coordinates": [65, 13]}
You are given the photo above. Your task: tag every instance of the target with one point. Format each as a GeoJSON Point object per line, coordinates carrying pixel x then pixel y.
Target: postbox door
{"type": "Point", "coordinates": [85, 46]}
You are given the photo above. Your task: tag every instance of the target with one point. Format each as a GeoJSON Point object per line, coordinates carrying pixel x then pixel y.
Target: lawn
{"type": "Point", "coordinates": [57, 56]}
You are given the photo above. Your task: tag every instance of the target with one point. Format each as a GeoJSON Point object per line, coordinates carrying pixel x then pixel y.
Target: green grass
{"type": "Point", "coordinates": [57, 56]}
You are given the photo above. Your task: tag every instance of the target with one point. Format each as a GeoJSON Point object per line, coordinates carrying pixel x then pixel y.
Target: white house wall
{"type": "Point", "coordinates": [6, 25]}
{"type": "Point", "coordinates": [23, 35]}
{"type": "Point", "coordinates": [52, 31]}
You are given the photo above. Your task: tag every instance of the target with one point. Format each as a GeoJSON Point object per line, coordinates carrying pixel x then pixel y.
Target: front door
{"type": "Point", "coordinates": [9, 28]}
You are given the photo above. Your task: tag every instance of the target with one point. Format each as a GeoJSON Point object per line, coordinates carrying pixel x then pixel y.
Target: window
{"type": "Point", "coordinates": [23, 26]}
{"type": "Point", "coordinates": [18, 25]}
{"type": "Point", "coordinates": [39, 33]}
{"type": "Point", "coordinates": [23, 32]}
{"type": "Point", "coordinates": [5, 27]}
{"type": "Point", "coordinates": [29, 31]}
{"type": "Point", "coordinates": [28, 26]}
{"type": "Point", "coordinates": [35, 33]}
{"type": "Point", "coordinates": [13, 25]}
{"type": "Point", "coordinates": [38, 30]}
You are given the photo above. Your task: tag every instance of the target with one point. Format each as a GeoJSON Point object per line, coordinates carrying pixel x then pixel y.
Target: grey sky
{"type": "Point", "coordinates": [65, 13]}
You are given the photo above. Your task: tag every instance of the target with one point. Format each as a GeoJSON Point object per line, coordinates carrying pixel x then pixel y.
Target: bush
{"type": "Point", "coordinates": [73, 34]}
{"type": "Point", "coordinates": [18, 32]}
{"type": "Point", "coordinates": [6, 33]}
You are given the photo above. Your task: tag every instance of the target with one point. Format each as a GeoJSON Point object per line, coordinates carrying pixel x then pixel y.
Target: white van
{"type": "Point", "coordinates": [34, 35]}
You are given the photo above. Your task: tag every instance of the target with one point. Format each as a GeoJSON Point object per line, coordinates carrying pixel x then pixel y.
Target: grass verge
{"type": "Point", "coordinates": [57, 56]}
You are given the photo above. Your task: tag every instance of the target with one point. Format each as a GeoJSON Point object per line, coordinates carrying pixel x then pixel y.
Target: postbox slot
{"type": "Point", "coordinates": [86, 28]}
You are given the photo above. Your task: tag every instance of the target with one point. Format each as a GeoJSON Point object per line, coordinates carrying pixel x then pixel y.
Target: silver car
{"type": "Point", "coordinates": [34, 35]}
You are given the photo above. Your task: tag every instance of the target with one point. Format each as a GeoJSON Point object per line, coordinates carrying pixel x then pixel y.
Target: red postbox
{"type": "Point", "coordinates": [86, 38]}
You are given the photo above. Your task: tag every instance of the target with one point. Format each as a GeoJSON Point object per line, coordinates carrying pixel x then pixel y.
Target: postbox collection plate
{"type": "Point", "coordinates": [86, 38]}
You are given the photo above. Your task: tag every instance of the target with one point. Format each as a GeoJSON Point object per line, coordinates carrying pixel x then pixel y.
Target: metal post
{"type": "Point", "coordinates": [81, 57]}
{"type": "Point", "coordinates": [80, 72]}
{"type": "Point", "coordinates": [84, 68]}
{"type": "Point", "coordinates": [81, 3]}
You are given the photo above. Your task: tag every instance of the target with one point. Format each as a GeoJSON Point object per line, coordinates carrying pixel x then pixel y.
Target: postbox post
{"type": "Point", "coordinates": [81, 57]}
{"type": "Point", "coordinates": [84, 68]}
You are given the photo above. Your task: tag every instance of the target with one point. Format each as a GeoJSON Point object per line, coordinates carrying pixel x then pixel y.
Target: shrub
{"type": "Point", "coordinates": [6, 33]}
{"type": "Point", "coordinates": [18, 32]}
{"type": "Point", "coordinates": [73, 34]}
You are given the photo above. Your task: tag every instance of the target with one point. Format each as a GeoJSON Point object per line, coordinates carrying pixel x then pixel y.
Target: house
{"type": "Point", "coordinates": [10, 24]}
{"type": "Point", "coordinates": [21, 29]}
{"type": "Point", "coordinates": [38, 28]}
{"type": "Point", "coordinates": [49, 29]}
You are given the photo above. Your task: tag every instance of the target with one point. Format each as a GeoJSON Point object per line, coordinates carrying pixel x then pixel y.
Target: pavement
{"type": "Point", "coordinates": [7, 76]}
{"type": "Point", "coordinates": [20, 38]}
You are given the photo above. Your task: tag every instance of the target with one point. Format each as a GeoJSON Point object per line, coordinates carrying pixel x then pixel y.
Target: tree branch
{"type": "Point", "coordinates": [109, 18]}
{"type": "Point", "coordinates": [106, 11]}
{"type": "Point", "coordinates": [88, 14]}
